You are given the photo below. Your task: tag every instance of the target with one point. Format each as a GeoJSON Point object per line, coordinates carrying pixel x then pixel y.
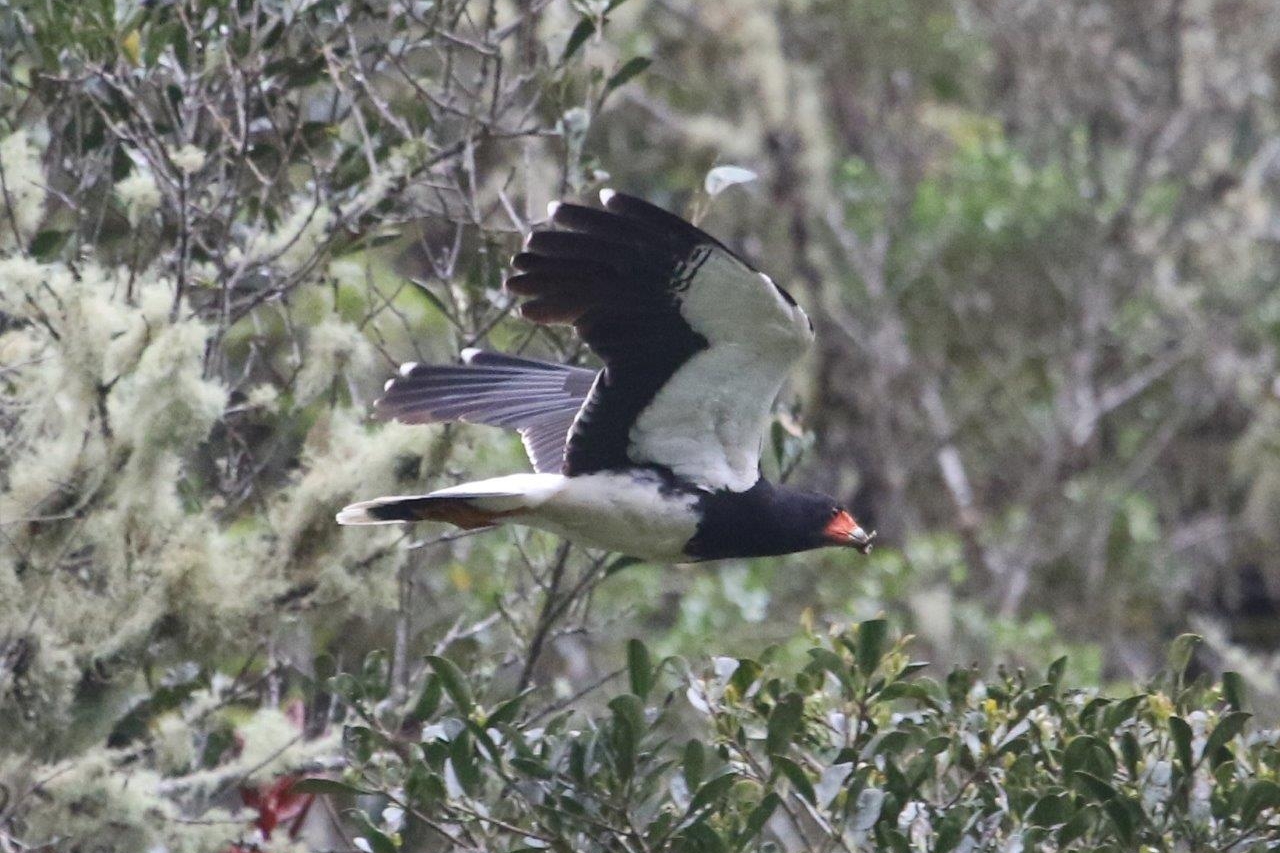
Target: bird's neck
{"type": "Point", "coordinates": [754, 523]}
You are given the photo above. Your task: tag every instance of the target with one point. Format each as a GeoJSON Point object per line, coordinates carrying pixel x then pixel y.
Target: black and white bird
{"type": "Point", "coordinates": [657, 455]}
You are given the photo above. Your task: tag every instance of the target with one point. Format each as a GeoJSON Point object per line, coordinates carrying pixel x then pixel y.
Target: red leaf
{"type": "Point", "coordinates": [276, 803]}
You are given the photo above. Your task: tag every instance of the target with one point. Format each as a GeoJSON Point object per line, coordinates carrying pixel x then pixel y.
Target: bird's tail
{"type": "Point", "coordinates": [469, 505]}
{"type": "Point", "coordinates": [400, 509]}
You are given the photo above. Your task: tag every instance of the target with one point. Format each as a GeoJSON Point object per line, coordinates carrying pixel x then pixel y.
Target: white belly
{"type": "Point", "coordinates": [623, 512]}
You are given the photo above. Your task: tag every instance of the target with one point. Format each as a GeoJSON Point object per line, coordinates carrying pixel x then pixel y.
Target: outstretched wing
{"type": "Point", "coordinates": [696, 344]}
{"type": "Point", "coordinates": [537, 398]}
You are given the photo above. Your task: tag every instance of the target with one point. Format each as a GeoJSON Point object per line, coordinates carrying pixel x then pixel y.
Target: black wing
{"type": "Point", "coordinates": [538, 398]}
{"type": "Point", "coordinates": [696, 344]}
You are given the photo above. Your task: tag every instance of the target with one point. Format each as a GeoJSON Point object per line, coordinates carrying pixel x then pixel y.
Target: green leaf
{"type": "Point", "coordinates": [1180, 651]}
{"type": "Point", "coordinates": [747, 673]}
{"type": "Point", "coordinates": [345, 686]}
{"type": "Point", "coordinates": [911, 669]}
{"type": "Point", "coordinates": [640, 668]}
{"type": "Point", "coordinates": [701, 838]}
{"type": "Point", "coordinates": [47, 244]}
{"type": "Point", "coordinates": [695, 763]}
{"type": "Point", "coordinates": [454, 682]}
{"type": "Point", "coordinates": [871, 637]}
{"type": "Point", "coordinates": [375, 674]}
{"type": "Point", "coordinates": [784, 722]}
{"type": "Point", "coordinates": [1233, 690]}
{"type": "Point", "coordinates": [1122, 711]}
{"type": "Point", "coordinates": [1051, 810]}
{"type": "Point", "coordinates": [937, 745]}
{"type": "Point", "coordinates": [621, 563]}
{"type": "Point", "coordinates": [631, 709]}
{"type": "Point", "coordinates": [630, 69]}
{"type": "Point", "coordinates": [888, 742]}
{"type": "Point", "coordinates": [627, 730]}
{"type": "Point", "coordinates": [1076, 827]}
{"type": "Point", "coordinates": [463, 759]}
{"type": "Point", "coordinates": [834, 664]}
{"type": "Point", "coordinates": [578, 762]}
{"type": "Point", "coordinates": [1262, 795]}
{"type": "Point", "coordinates": [1125, 815]}
{"type": "Point", "coordinates": [797, 777]}
{"type": "Point", "coordinates": [424, 787]}
{"type": "Point", "coordinates": [582, 31]}
{"type": "Point", "coordinates": [949, 830]}
{"type": "Point", "coordinates": [428, 700]}
{"type": "Point", "coordinates": [1228, 727]}
{"type": "Point", "coordinates": [1131, 751]}
{"type": "Point", "coordinates": [481, 734]}
{"type": "Point", "coordinates": [712, 791]}
{"type": "Point", "coordinates": [1086, 752]}
{"type": "Point", "coordinates": [1094, 787]}
{"type": "Point", "coordinates": [532, 767]}
{"type": "Point", "coordinates": [1054, 675]}
{"type": "Point", "coordinates": [759, 817]}
{"type": "Point", "coordinates": [778, 441]}
{"type": "Point", "coordinates": [326, 786]}
{"type": "Point", "coordinates": [507, 711]}
{"type": "Point", "coordinates": [1180, 733]}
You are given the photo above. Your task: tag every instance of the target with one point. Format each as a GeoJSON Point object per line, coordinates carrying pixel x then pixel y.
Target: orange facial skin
{"type": "Point", "coordinates": [844, 530]}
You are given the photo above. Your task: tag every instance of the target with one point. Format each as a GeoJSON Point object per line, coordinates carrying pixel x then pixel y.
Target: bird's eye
{"type": "Point", "coordinates": [835, 510]}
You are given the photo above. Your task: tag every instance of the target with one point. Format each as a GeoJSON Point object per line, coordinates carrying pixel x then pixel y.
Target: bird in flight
{"type": "Point", "coordinates": [656, 455]}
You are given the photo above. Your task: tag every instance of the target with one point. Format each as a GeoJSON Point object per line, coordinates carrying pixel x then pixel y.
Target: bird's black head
{"type": "Point", "coordinates": [768, 520]}
{"type": "Point", "coordinates": [825, 521]}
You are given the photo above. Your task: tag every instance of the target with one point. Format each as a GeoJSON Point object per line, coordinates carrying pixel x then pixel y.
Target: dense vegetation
{"type": "Point", "coordinates": [1038, 239]}
{"type": "Point", "coordinates": [854, 751]}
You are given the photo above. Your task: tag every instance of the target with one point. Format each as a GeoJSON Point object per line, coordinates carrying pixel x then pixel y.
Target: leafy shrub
{"type": "Point", "coordinates": [858, 748]}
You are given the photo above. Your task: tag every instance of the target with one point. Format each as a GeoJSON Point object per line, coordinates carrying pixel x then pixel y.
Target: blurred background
{"type": "Point", "coordinates": [1038, 239]}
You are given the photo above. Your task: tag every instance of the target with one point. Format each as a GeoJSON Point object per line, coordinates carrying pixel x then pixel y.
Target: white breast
{"type": "Point", "coordinates": [627, 512]}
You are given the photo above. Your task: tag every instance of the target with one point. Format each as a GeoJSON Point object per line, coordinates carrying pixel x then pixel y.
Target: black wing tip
{"type": "Point", "coordinates": [624, 218]}
{"type": "Point", "coordinates": [590, 257]}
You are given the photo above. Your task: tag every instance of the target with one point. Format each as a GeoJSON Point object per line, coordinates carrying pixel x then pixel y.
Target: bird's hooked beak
{"type": "Point", "coordinates": [844, 530]}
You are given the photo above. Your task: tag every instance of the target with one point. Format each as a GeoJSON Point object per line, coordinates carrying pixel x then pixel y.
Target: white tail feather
{"type": "Point", "coordinates": [358, 513]}
{"type": "Point", "coordinates": [501, 494]}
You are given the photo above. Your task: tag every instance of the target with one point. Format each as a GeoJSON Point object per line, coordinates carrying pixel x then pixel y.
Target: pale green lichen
{"type": "Point", "coordinates": [336, 350]}
{"type": "Point", "coordinates": [189, 159]}
{"type": "Point", "coordinates": [22, 201]}
{"type": "Point", "coordinates": [95, 798]}
{"type": "Point", "coordinates": [296, 241]}
{"type": "Point", "coordinates": [265, 397]}
{"type": "Point", "coordinates": [344, 461]}
{"type": "Point", "coordinates": [105, 801]}
{"type": "Point", "coordinates": [139, 195]}
{"type": "Point", "coordinates": [174, 743]}
{"type": "Point", "coordinates": [170, 403]}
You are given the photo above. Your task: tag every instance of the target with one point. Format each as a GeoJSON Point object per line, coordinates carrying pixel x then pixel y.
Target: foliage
{"type": "Point", "coordinates": [1037, 236]}
{"type": "Point", "coordinates": [857, 750]}
{"type": "Point", "coordinates": [203, 206]}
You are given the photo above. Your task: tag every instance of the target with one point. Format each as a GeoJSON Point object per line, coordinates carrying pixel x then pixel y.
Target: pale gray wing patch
{"type": "Point", "coordinates": [538, 399]}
